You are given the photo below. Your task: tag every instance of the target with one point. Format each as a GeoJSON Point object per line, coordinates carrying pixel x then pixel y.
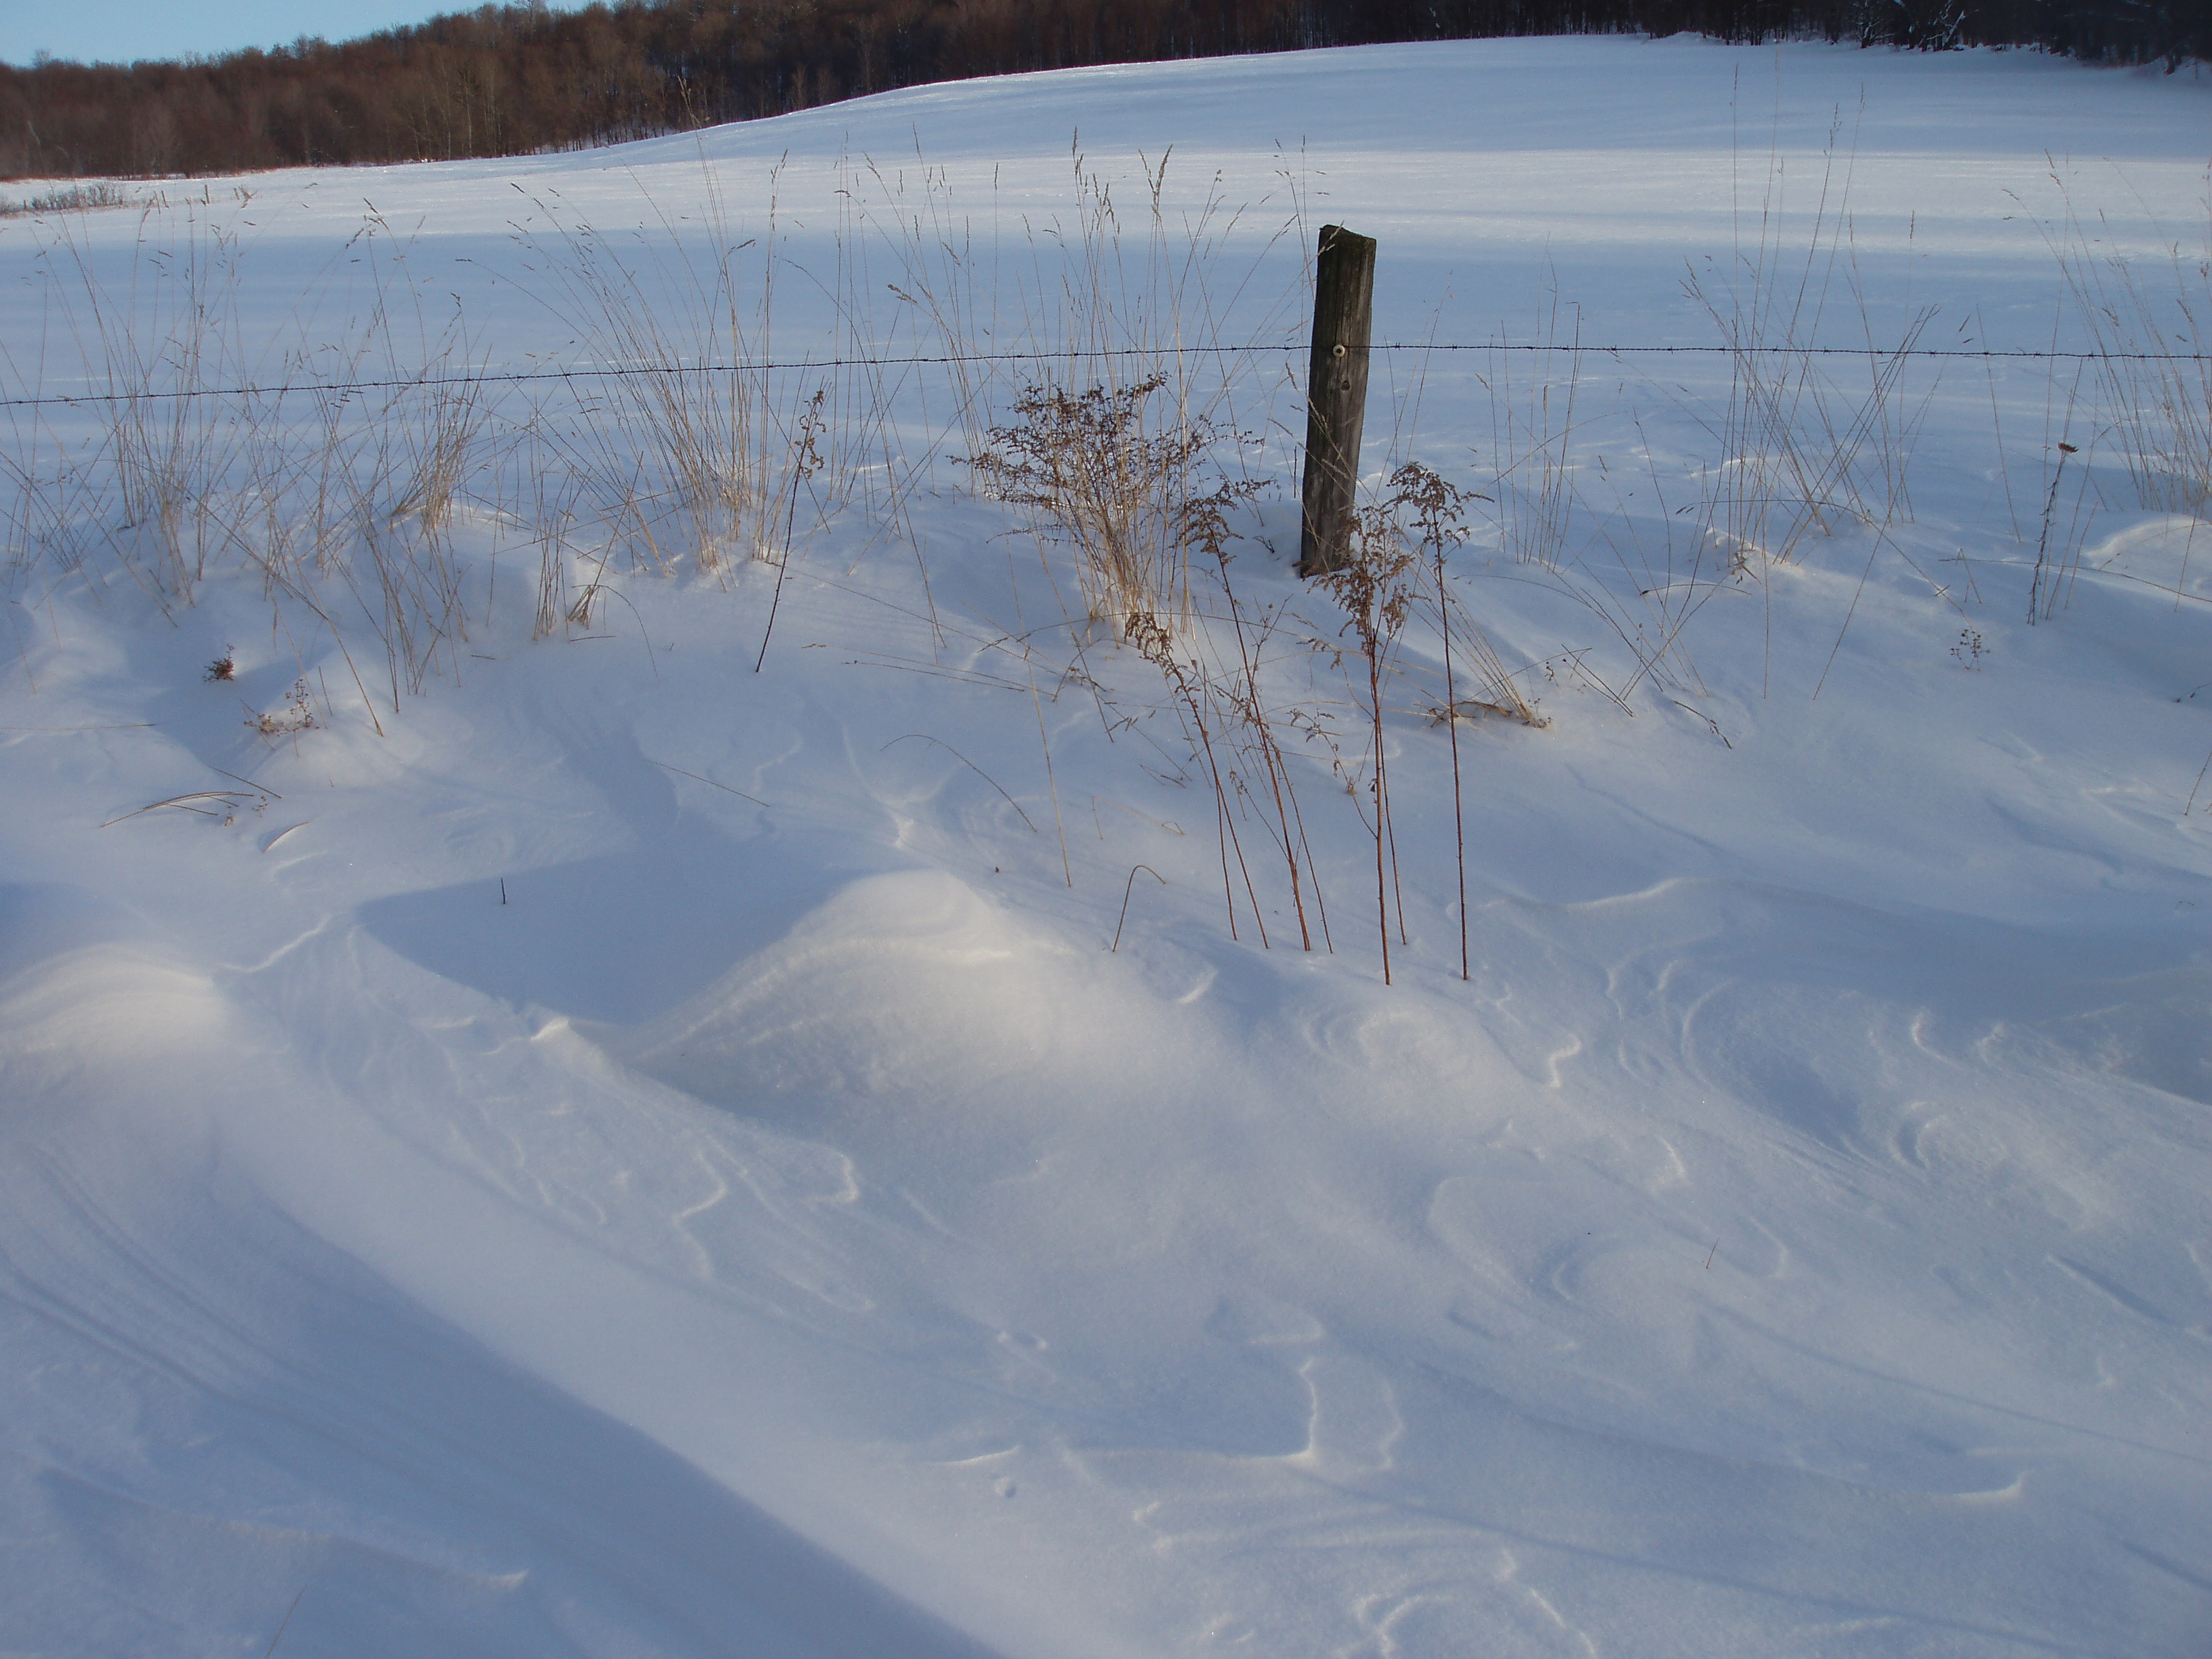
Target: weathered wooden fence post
{"type": "Point", "coordinates": [1336, 396]}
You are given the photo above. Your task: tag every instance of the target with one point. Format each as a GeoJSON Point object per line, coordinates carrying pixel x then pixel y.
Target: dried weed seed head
{"type": "Point", "coordinates": [1373, 587]}
{"type": "Point", "coordinates": [1431, 511]}
{"type": "Point", "coordinates": [297, 715]}
{"type": "Point", "coordinates": [1090, 467]}
{"type": "Point", "coordinates": [1436, 506]}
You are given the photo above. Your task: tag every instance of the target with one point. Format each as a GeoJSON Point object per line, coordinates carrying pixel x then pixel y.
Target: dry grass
{"type": "Point", "coordinates": [1375, 588]}
{"type": "Point", "coordinates": [1803, 448]}
{"type": "Point", "coordinates": [360, 502]}
{"type": "Point", "coordinates": [679, 453]}
{"type": "Point", "coordinates": [1103, 470]}
{"type": "Point", "coordinates": [1532, 429]}
{"type": "Point", "coordinates": [368, 514]}
{"type": "Point", "coordinates": [1137, 369]}
{"type": "Point", "coordinates": [1233, 693]}
{"type": "Point", "coordinates": [2150, 324]}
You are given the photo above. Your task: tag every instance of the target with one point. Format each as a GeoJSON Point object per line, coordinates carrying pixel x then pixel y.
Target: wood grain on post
{"type": "Point", "coordinates": [1336, 396]}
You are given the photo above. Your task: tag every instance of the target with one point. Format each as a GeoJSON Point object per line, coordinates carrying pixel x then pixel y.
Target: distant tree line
{"type": "Point", "coordinates": [516, 79]}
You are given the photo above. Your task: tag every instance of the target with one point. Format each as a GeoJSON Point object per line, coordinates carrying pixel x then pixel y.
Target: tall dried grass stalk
{"type": "Point", "coordinates": [2150, 324]}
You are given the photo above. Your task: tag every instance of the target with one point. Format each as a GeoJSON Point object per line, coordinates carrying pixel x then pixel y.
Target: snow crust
{"type": "Point", "coordinates": [640, 1157]}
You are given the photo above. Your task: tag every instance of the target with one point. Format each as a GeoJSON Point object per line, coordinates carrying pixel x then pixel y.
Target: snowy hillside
{"type": "Point", "coordinates": [637, 1019]}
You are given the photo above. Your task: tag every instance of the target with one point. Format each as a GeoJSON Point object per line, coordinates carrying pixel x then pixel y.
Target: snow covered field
{"type": "Point", "coordinates": [588, 1147]}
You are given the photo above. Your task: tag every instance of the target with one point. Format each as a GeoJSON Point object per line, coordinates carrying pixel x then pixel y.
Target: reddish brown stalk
{"type": "Point", "coordinates": [1153, 643]}
{"type": "Point", "coordinates": [1371, 588]}
{"type": "Point", "coordinates": [1381, 803]}
{"type": "Point", "coordinates": [1255, 717]}
{"type": "Point", "coordinates": [1451, 728]}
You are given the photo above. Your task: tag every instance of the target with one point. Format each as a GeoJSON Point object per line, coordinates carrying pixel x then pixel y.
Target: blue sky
{"type": "Point", "coordinates": [117, 31]}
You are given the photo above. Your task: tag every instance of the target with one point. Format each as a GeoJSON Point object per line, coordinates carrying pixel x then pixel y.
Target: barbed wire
{"type": "Point", "coordinates": [516, 377]}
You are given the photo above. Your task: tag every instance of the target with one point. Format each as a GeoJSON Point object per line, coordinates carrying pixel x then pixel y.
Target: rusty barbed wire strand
{"type": "Point", "coordinates": [922, 360]}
